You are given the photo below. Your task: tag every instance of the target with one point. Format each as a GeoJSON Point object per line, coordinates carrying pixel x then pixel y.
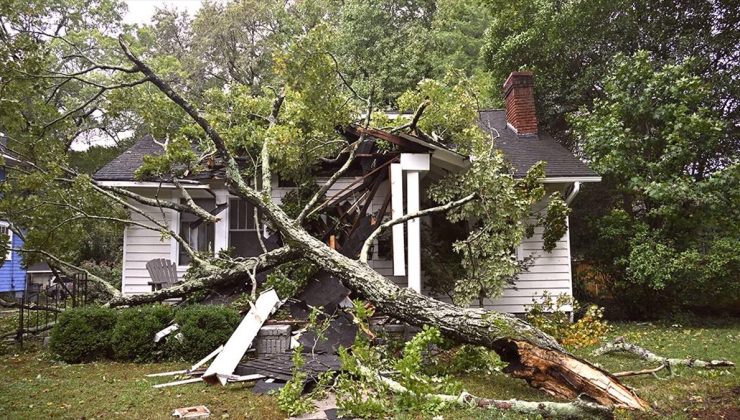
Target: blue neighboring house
{"type": "Point", "coordinates": [12, 273]}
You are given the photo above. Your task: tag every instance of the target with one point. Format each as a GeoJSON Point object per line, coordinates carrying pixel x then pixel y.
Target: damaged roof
{"type": "Point", "coordinates": [521, 151]}
{"type": "Point", "coordinates": [524, 151]}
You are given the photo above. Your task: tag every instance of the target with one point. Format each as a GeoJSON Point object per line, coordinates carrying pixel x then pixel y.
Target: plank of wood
{"type": "Point", "coordinates": [244, 378]}
{"type": "Point", "coordinates": [165, 332]}
{"type": "Point", "coordinates": [207, 358]}
{"type": "Point", "coordinates": [172, 373]}
{"type": "Point", "coordinates": [242, 338]}
{"type": "Point", "coordinates": [182, 382]}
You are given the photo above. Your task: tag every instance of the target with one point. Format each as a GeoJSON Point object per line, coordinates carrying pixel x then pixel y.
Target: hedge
{"type": "Point", "coordinates": [93, 333]}
{"type": "Point", "coordinates": [203, 329]}
{"type": "Point", "coordinates": [133, 335]}
{"type": "Point", "coordinates": [83, 334]}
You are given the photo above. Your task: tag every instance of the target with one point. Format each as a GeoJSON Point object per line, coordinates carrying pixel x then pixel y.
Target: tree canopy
{"type": "Point", "coordinates": [644, 90]}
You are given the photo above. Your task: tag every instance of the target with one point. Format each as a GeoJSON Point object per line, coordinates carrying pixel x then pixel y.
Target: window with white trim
{"type": "Point", "coordinates": [199, 234]}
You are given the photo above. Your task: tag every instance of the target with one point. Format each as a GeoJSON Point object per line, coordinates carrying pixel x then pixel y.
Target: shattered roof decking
{"type": "Point", "coordinates": [521, 152]}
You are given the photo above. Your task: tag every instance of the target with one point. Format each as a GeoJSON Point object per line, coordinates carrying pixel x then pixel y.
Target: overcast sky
{"type": "Point", "coordinates": [141, 11]}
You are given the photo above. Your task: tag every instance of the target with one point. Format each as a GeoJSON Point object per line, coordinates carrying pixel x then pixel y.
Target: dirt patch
{"type": "Point", "coordinates": [720, 406]}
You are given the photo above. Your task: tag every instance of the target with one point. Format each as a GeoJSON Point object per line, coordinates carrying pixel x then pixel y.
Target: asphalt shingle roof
{"type": "Point", "coordinates": [521, 151]}
{"type": "Point", "coordinates": [524, 151]}
{"type": "Point", "coordinates": [123, 167]}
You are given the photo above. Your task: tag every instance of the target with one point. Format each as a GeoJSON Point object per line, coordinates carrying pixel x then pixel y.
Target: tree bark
{"type": "Point", "coordinates": [619, 344]}
{"type": "Point", "coordinates": [209, 277]}
{"type": "Point", "coordinates": [532, 355]}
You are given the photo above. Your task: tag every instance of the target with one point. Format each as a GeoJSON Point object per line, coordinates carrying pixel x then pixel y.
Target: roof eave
{"type": "Point", "coordinates": [151, 184]}
{"type": "Point", "coordinates": [568, 179]}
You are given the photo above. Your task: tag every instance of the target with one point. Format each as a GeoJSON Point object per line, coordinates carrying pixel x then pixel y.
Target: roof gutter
{"type": "Point", "coordinates": [572, 195]}
{"type": "Point", "coordinates": [146, 184]}
{"type": "Point", "coordinates": [568, 179]}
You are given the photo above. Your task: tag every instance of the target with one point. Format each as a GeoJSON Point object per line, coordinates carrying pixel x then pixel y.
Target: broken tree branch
{"type": "Point", "coordinates": [619, 344]}
{"type": "Point", "coordinates": [209, 277]}
{"type": "Point", "coordinates": [415, 118]}
{"type": "Point", "coordinates": [32, 307]}
{"type": "Point", "coordinates": [331, 181]}
{"type": "Point", "coordinates": [307, 210]}
{"type": "Point", "coordinates": [449, 206]}
{"type": "Point", "coordinates": [142, 199]}
{"type": "Point", "coordinates": [160, 226]}
{"type": "Point", "coordinates": [652, 371]}
{"type": "Point", "coordinates": [190, 203]}
{"type": "Point", "coordinates": [265, 152]}
{"type": "Point", "coordinates": [576, 409]}
{"type": "Point", "coordinates": [107, 287]}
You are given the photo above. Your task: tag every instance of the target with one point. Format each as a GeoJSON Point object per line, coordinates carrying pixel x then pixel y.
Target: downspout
{"type": "Point", "coordinates": [572, 195]}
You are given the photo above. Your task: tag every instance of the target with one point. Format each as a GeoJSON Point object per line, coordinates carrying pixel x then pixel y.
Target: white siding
{"type": "Point", "coordinates": [143, 245]}
{"type": "Point", "coordinates": [550, 271]}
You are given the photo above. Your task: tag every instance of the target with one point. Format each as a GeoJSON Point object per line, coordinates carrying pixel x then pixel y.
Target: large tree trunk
{"type": "Point", "coordinates": [532, 355]}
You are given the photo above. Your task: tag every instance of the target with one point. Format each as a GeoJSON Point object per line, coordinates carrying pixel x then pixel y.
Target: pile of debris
{"type": "Point", "coordinates": [273, 341]}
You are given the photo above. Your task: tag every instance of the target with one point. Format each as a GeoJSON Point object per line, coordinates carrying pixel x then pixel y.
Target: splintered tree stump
{"type": "Point", "coordinates": [565, 376]}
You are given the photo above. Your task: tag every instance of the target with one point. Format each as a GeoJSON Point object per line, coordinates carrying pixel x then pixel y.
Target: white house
{"type": "Point", "coordinates": [383, 185]}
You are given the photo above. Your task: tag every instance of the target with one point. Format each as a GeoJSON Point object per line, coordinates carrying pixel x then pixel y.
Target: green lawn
{"type": "Point", "coordinates": [36, 386]}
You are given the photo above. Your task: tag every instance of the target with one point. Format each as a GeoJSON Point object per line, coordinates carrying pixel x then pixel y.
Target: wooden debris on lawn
{"type": "Point", "coordinates": [175, 383]}
{"type": "Point", "coordinates": [197, 412]}
{"type": "Point", "coordinates": [242, 338]}
{"type": "Point", "coordinates": [165, 332]}
{"type": "Point", "coordinates": [194, 370]}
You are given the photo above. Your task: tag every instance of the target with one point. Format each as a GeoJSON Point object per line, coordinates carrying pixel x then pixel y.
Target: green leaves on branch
{"type": "Point", "coordinates": [554, 221]}
{"type": "Point", "coordinates": [452, 114]}
{"type": "Point", "coordinates": [497, 220]}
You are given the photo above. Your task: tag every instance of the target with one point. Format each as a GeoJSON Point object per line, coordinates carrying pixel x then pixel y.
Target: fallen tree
{"type": "Point", "coordinates": [532, 355]}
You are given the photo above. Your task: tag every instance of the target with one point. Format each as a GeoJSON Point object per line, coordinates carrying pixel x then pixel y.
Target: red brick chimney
{"type": "Point", "coordinates": [520, 109]}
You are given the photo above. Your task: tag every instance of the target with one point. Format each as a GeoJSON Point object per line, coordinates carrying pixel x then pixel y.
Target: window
{"type": "Point", "coordinates": [194, 231]}
{"type": "Point", "coordinates": [5, 230]}
{"type": "Point", "coordinates": [241, 215]}
{"type": "Point", "coordinates": [243, 240]}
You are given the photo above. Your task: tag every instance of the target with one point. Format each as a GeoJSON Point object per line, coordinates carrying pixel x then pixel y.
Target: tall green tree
{"type": "Point", "coordinates": [570, 44]}
{"type": "Point", "coordinates": [667, 232]}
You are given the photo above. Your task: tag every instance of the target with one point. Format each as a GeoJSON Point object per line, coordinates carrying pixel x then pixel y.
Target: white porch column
{"type": "Point", "coordinates": [399, 260]}
{"type": "Point", "coordinates": [221, 237]}
{"type": "Point", "coordinates": [414, 164]}
{"type": "Point", "coordinates": [414, 231]}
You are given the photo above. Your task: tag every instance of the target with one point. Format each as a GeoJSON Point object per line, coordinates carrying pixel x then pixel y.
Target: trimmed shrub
{"type": "Point", "coordinates": [202, 329]}
{"type": "Point", "coordinates": [133, 335]}
{"type": "Point", "coordinates": [83, 334]}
